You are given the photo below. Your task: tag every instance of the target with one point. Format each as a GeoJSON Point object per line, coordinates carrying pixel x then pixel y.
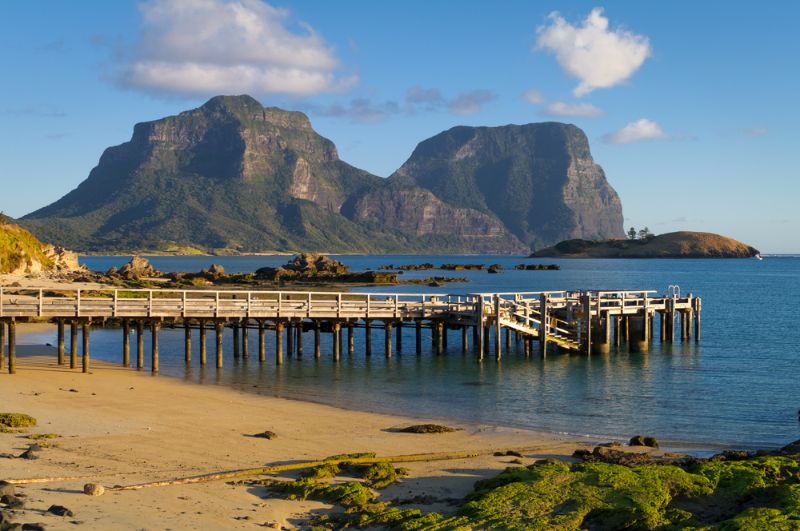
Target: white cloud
{"type": "Point", "coordinates": [638, 131]}
{"type": "Point", "coordinates": [231, 46]}
{"type": "Point", "coordinates": [591, 53]}
{"type": "Point", "coordinates": [533, 96]}
{"type": "Point", "coordinates": [581, 110]}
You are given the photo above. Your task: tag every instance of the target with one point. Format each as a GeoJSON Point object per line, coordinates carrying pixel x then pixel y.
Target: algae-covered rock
{"type": "Point", "coordinates": [640, 440]}
{"type": "Point", "coordinates": [16, 420]}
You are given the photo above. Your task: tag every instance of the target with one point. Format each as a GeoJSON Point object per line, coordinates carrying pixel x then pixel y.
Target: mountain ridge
{"type": "Point", "coordinates": [235, 176]}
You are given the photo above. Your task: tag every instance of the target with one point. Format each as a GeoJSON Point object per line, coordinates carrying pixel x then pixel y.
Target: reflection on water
{"type": "Point", "coordinates": [737, 387]}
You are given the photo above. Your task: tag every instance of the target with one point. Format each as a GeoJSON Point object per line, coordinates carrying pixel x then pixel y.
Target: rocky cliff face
{"type": "Point", "coordinates": [233, 175]}
{"type": "Point", "coordinates": [539, 179]}
{"type": "Point", "coordinates": [419, 212]}
{"type": "Point", "coordinates": [21, 253]}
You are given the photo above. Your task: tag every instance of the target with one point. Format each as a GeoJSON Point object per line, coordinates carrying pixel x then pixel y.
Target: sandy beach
{"type": "Point", "coordinates": [121, 427]}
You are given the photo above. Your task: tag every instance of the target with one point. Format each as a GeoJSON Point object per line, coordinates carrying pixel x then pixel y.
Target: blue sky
{"type": "Point", "coordinates": [690, 107]}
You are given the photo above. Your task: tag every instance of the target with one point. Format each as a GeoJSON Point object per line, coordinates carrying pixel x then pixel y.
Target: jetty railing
{"type": "Point", "coordinates": [580, 321]}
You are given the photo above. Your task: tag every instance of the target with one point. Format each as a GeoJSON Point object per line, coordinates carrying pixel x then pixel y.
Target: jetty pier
{"type": "Point", "coordinates": [587, 322]}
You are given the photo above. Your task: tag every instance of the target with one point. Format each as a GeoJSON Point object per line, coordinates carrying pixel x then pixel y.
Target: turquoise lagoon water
{"type": "Point", "coordinates": [739, 387]}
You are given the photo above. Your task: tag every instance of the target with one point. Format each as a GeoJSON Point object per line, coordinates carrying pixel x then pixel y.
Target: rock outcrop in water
{"type": "Point", "coordinates": [671, 245]}
{"type": "Point", "coordinates": [233, 176]}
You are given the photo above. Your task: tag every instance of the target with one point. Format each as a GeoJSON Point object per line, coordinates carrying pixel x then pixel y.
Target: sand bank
{"type": "Point", "coordinates": [120, 426]}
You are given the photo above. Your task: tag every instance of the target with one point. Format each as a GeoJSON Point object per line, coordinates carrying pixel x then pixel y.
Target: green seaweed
{"type": "Point", "coordinates": [16, 420]}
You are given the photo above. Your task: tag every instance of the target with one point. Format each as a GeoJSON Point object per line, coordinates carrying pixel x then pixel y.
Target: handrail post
{"type": "Point", "coordinates": [248, 304]}
{"type": "Point", "coordinates": [308, 307]}
{"type": "Point", "coordinates": [216, 304]}
{"type": "Point", "coordinates": [149, 303]}
{"type": "Point", "coordinates": [40, 302]}
{"type": "Point", "coordinates": [114, 308]}
{"type": "Point", "coordinates": [1, 301]}
{"type": "Point", "coordinates": [183, 304]}
{"type": "Point", "coordinates": [338, 305]}
{"type": "Point", "coordinates": [396, 305]}
{"type": "Point", "coordinates": [77, 303]}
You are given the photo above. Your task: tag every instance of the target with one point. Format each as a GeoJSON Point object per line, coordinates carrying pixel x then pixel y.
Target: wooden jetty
{"type": "Point", "coordinates": [588, 322]}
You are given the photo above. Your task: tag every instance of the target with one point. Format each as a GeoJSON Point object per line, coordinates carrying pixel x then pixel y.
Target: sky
{"type": "Point", "coordinates": [691, 108]}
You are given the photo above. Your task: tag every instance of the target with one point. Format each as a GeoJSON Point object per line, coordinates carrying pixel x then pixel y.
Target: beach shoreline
{"type": "Point", "coordinates": [121, 426]}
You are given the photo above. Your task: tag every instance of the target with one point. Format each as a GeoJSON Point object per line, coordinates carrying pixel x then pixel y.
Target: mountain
{"type": "Point", "coordinates": [234, 176]}
{"type": "Point", "coordinates": [539, 180]}
{"type": "Point", "coordinates": [683, 244]}
{"type": "Point", "coordinates": [22, 253]}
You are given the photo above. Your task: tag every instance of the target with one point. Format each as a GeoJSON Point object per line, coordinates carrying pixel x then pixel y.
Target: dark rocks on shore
{"type": "Point", "coordinates": [639, 440]}
{"type": "Point", "coordinates": [12, 502]}
{"type": "Point", "coordinates": [427, 428]}
{"type": "Point", "coordinates": [59, 510]}
{"type": "Point", "coordinates": [6, 488]}
{"type": "Point", "coordinates": [495, 268]}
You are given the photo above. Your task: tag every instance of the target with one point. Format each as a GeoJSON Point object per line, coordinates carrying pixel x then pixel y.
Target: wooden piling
{"type": "Point", "coordinates": [245, 340]}
{"type": "Point", "coordinates": [219, 329]}
{"type": "Point", "coordinates": [187, 344]}
{"type": "Point", "coordinates": [299, 329]}
{"type": "Point", "coordinates": [351, 338]}
{"type": "Point", "coordinates": [87, 327]}
{"type": "Point", "coordinates": [418, 336]}
{"type": "Point", "coordinates": [444, 335]}
{"type": "Point", "coordinates": [203, 356]}
{"type": "Point", "coordinates": [368, 336]}
{"type": "Point", "coordinates": [317, 339]}
{"type": "Point", "coordinates": [2, 344]}
{"type": "Point", "coordinates": [617, 331]}
{"type": "Point", "coordinates": [278, 342]}
{"type": "Point", "coordinates": [399, 336]}
{"type": "Point", "coordinates": [155, 328]}
{"type": "Point", "coordinates": [544, 315]}
{"type": "Point", "coordinates": [337, 343]}
{"type": "Point", "coordinates": [464, 340]}
{"type": "Point", "coordinates": [12, 347]}
{"type": "Point", "coordinates": [126, 343]}
{"type": "Point", "coordinates": [587, 322]}
{"type": "Point", "coordinates": [498, 351]}
{"type": "Point", "coordinates": [441, 331]}
{"type": "Point", "coordinates": [60, 341]}
{"type": "Point", "coordinates": [262, 343]}
{"type": "Point", "coordinates": [290, 339]}
{"type": "Point", "coordinates": [387, 336]}
{"type": "Point", "coordinates": [73, 344]}
{"type": "Point", "coordinates": [662, 326]}
{"type": "Point", "coordinates": [697, 305]}
{"type": "Point", "coordinates": [139, 344]}
{"type": "Point", "coordinates": [480, 343]}
{"type": "Point", "coordinates": [235, 327]}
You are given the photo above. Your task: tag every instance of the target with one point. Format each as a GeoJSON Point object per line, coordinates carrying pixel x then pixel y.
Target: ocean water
{"type": "Point", "coordinates": [739, 387]}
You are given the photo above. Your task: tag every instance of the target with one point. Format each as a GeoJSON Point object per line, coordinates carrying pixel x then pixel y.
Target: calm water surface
{"type": "Point", "coordinates": [739, 387]}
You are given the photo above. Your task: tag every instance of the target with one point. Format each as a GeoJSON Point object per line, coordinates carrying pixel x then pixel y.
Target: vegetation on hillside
{"type": "Point", "coordinates": [19, 249]}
